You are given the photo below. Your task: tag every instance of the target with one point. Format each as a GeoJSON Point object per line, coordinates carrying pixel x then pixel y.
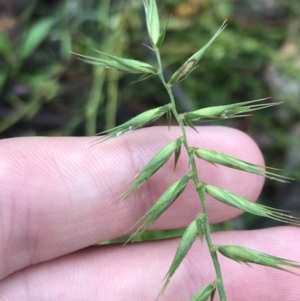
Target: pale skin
{"type": "Point", "coordinates": [59, 196]}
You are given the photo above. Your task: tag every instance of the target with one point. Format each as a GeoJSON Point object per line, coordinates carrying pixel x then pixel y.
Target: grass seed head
{"type": "Point", "coordinates": [136, 122]}
{"type": "Point", "coordinates": [245, 255]}
{"type": "Point", "coordinates": [118, 63]}
{"type": "Point", "coordinates": [154, 164]}
{"type": "Point", "coordinates": [206, 292]}
{"type": "Point", "coordinates": [162, 35]}
{"type": "Point", "coordinates": [226, 111]}
{"type": "Point", "coordinates": [232, 162]}
{"type": "Point", "coordinates": [185, 244]}
{"type": "Point", "coordinates": [152, 20]}
{"type": "Point", "coordinates": [187, 68]}
{"type": "Point", "coordinates": [162, 204]}
{"type": "Point", "coordinates": [226, 160]}
{"type": "Point", "coordinates": [237, 201]}
{"type": "Point", "coordinates": [183, 72]}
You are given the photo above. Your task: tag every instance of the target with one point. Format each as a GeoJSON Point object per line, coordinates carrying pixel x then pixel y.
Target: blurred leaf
{"type": "Point", "coordinates": [3, 76]}
{"type": "Point", "coordinates": [5, 46]}
{"type": "Point", "coordinates": [35, 36]}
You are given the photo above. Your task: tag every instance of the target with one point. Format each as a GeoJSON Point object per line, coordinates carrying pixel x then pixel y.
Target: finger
{"type": "Point", "coordinates": [60, 195]}
{"type": "Point", "coordinates": [136, 272]}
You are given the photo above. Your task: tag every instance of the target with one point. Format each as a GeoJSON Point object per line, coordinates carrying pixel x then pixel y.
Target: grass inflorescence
{"type": "Point", "coordinates": [200, 226]}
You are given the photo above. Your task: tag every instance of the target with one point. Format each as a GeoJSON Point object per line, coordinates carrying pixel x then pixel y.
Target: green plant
{"type": "Point", "coordinates": [35, 55]}
{"type": "Point", "coordinates": [28, 60]}
{"type": "Point", "coordinates": [200, 226]}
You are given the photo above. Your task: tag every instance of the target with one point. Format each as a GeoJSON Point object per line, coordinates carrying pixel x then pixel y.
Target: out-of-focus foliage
{"type": "Point", "coordinates": [45, 90]}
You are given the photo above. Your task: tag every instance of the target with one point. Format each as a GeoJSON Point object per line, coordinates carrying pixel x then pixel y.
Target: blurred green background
{"type": "Point", "coordinates": [46, 90]}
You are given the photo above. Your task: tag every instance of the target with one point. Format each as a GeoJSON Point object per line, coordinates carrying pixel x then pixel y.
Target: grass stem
{"type": "Point", "coordinates": [213, 253]}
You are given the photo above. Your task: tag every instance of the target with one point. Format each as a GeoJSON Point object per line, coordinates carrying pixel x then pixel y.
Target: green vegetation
{"type": "Point", "coordinates": [46, 90]}
{"type": "Point", "coordinates": [200, 226]}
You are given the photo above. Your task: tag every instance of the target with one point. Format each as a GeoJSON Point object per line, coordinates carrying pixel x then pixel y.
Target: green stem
{"type": "Point", "coordinates": [94, 101]}
{"type": "Point", "coordinates": [206, 226]}
{"type": "Point", "coordinates": [212, 249]}
{"type": "Point", "coordinates": [112, 97]}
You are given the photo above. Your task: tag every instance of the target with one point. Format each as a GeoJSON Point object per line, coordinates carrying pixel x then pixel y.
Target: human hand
{"type": "Point", "coordinates": [59, 196]}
